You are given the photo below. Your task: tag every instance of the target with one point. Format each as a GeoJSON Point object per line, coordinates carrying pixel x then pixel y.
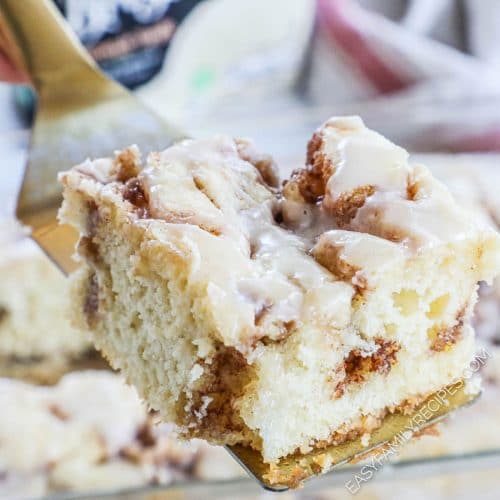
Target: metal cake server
{"type": "Point", "coordinates": [386, 441]}
{"type": "Point", "coordinates": [81, 113]}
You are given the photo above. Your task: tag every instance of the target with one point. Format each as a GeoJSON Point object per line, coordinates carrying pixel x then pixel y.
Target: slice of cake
{"type": "Point", "coordinates": [37, 341]}
{"type": "Point", "coordinates": [281, 319]}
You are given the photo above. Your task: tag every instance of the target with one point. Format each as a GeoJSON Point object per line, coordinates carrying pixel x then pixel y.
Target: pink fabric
{"type": "Point", "coordinates": [333, 18]}
{"type": "Point", "coordinates": [486, 141]}
{"type": "Point", "coordinates": [406, 76]}
{"type": "Point", "coordinates": [8, 72]}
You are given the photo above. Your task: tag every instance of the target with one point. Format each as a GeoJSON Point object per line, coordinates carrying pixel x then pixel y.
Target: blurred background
{"type": "Point", "coordinates": [425, 73]}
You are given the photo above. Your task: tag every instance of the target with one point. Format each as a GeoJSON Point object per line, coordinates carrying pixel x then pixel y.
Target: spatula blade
{"type": "Point", "coordinates": [292, 471]}
{"type": "Point", "coordinates": [89, 122]}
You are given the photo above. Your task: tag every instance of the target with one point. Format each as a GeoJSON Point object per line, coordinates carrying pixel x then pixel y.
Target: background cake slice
{"type": "Point", "coordinates": [279, 319]}
{"type": "Point", "coordinates": [91, 433]}
{"type": "Point", "coordinates": [37, 341]}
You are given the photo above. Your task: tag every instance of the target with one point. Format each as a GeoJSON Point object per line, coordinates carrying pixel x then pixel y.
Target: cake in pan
{"type": "Point", "coordinates": [280, 317]}
{"type": "Point", "coordinates": [37, 341]}
{"type": "Point", "coordinates": [91, 433]}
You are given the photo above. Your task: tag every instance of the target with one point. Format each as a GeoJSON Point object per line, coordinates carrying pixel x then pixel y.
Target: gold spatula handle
{"type": "Point", "coordinates": [38, 40]}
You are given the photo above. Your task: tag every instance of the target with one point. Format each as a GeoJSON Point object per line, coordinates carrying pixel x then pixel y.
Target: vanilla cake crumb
{"type": "Point", "coordinates": [279, 318]}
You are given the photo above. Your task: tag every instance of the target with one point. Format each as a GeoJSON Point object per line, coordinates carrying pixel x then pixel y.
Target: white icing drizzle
{"type": "Point", "coordinates": [260, 276]}
{"type": "Point", "coordinates": [362, 157]}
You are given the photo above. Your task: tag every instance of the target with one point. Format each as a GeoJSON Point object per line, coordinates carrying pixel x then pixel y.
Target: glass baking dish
{"type": "Point", "coordinates": [472, 473]}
